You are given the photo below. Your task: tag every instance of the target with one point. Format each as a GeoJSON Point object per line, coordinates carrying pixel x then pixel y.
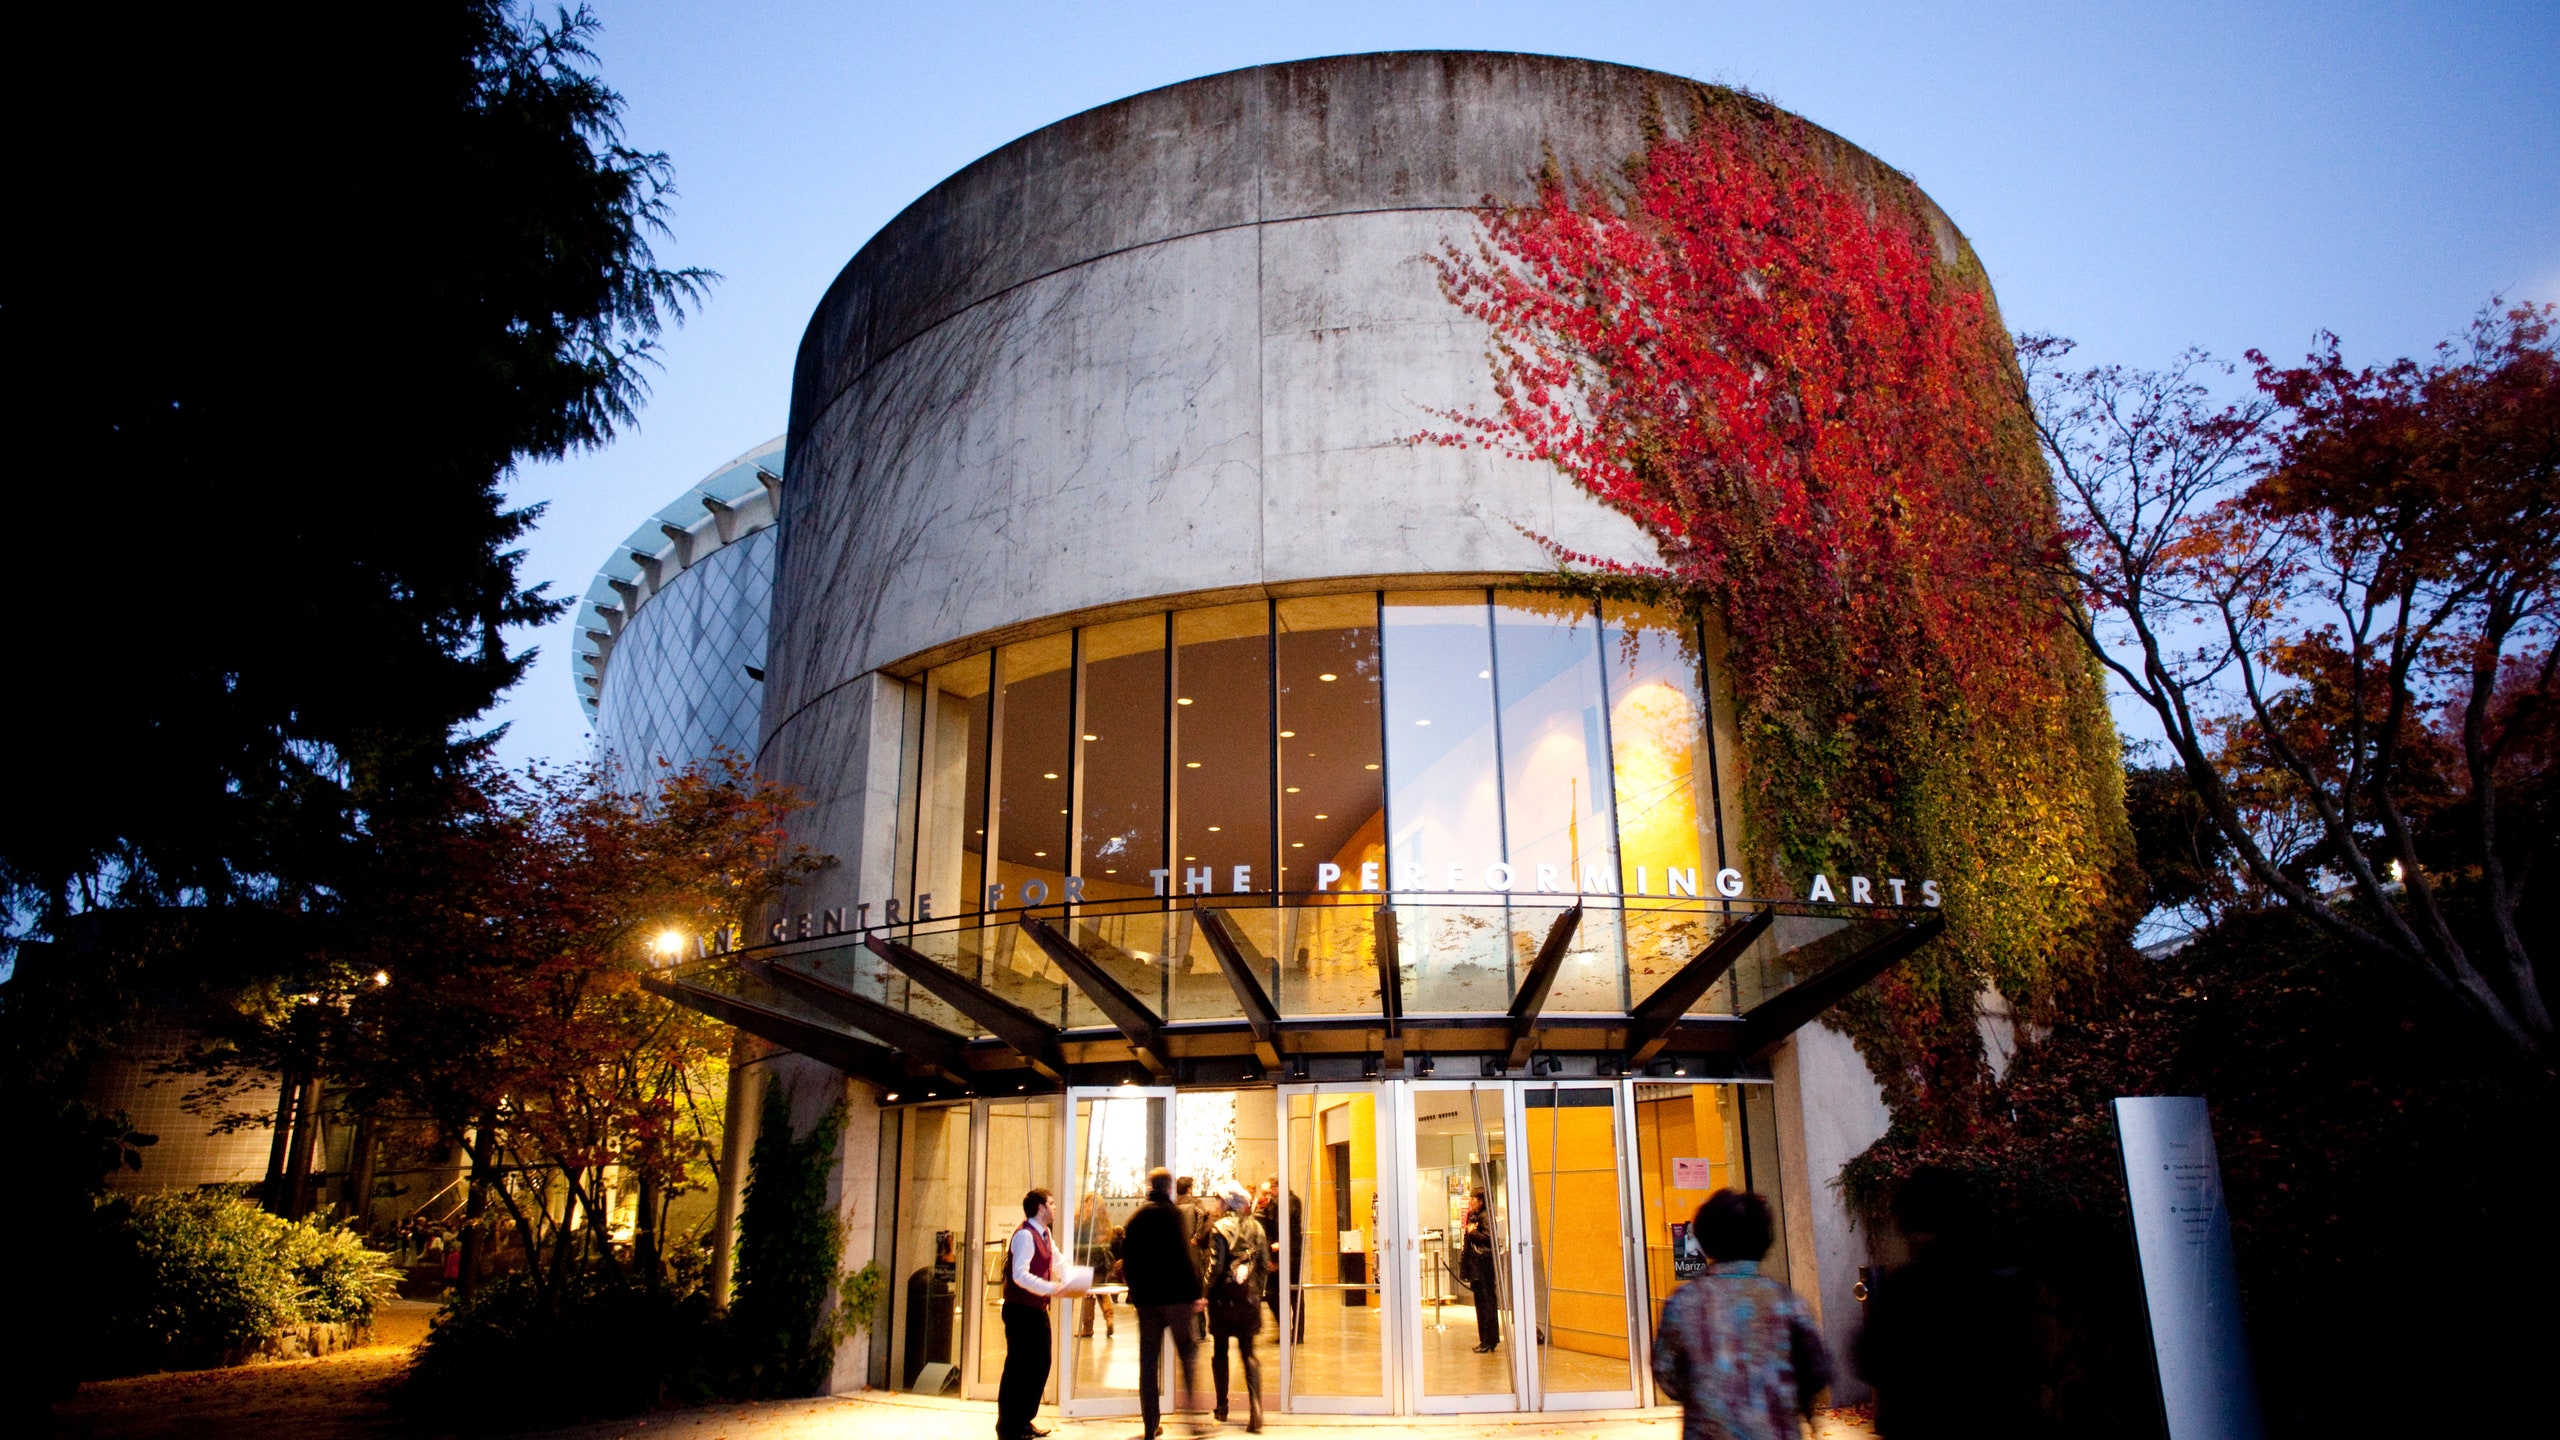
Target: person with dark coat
{"type": "Point", "coordinates": [1267, 1212]}
{"type": "Point", "coordinates": [1950, 1343]}
{"type": "Point", "coordinates": [1240, 1257]}
{"type": "Point", "coordinates": [1476, 1271]}
{"type": "Point", "coordinates": [1156, 1259]}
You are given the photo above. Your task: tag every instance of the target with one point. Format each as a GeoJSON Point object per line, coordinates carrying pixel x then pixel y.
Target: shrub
{"type": "Point", "coordinates": [194, 1277]}
{"type": "Point", "coordinates": [607, 1345]}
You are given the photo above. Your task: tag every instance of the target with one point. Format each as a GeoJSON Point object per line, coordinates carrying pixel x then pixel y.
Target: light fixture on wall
{"type": "Point", "coordinates": [1298, 1065]}
{"type": "Point", "coordinates": [1369, 1067]}
{"type": "Point", "coordinates": [1424, 1066]}
{"type": "Point", "coordinates": [1545, 1065]}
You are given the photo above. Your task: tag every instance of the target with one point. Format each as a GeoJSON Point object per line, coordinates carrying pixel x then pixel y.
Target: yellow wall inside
{"type": "Point", "coordinates": [1572, 1155]}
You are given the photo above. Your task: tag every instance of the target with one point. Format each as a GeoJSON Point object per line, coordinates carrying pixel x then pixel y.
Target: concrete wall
{"type": "Point", "coordinates": [1829, 1109]}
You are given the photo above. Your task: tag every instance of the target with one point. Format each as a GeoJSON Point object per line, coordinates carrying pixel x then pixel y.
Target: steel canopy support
{"type": "Point", "coordinates": [923, 1042]}
{"type": "Point", "coordinates": [1779, 1016]}
{"type": "Point", "coordinates": [1390, 986]}
{"type": "Point", "coordinates": [861, 1059]}
{"type": "Point", "coordinates": [1650, 1023]}
{"type": "Point", "coordinates": [1535, 985]}
{"type": "Point", "coordinates": [1142, 1026]}
{"type": "Point", "coordinates": [1231, 948]}
{"type": "Point", "coordinates": [1034, 1038]}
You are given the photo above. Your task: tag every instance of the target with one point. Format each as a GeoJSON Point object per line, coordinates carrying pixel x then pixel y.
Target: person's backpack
{"type": "Point", "coordinates": [1232, 1308]}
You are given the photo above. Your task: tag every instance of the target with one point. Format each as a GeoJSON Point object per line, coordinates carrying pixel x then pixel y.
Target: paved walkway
{"type": "Point", "coordinates": [346, 1396]}
{"type": "Point", "coordinates": [874, 1416]}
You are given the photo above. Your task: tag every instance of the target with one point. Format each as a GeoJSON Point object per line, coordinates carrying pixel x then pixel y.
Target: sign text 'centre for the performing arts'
{"type": "Point", "coordinates": [1498, 878]}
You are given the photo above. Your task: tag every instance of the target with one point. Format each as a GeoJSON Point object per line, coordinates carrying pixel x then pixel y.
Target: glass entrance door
{"type": "Point", "coordinates": [1333, 1214]}
{"type": "Point", "coordinates": [1117, 1136]}
{"type": "Point", "coordinates": [1464, 1336]}
{"type": "Point", "coordinates": [1571, 1159]}
{"type": "Point", "coordinates": [1018, 1149]}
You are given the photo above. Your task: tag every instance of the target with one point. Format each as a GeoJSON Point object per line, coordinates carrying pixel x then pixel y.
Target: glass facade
{"type": "Point", "coordinates": [679, 685]}
{"type": "Point", "coordinates": [1350, 748]}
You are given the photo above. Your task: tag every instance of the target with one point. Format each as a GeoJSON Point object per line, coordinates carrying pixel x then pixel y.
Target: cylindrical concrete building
{"type": "Point", "coordinates": [1213, 786]}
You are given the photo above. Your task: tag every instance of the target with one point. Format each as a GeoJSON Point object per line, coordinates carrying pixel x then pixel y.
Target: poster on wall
{"type": "Point", "coordinates": [2190, 1286]}
{"type": "Point", "coordinates": [1687, 1174]}
{"type": "Point", "coordinates": [1688, 1262]}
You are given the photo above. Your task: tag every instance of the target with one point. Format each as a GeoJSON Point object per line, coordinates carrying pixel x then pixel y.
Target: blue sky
{"type": "Point", "coordinates": [2139, 177]}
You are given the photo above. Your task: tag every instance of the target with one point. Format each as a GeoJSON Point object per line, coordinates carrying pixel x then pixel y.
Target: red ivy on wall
{"type": "Point", "coordinates": [1779, 360]}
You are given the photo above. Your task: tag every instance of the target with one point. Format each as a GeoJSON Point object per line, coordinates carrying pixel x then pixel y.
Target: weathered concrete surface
{"type": "Point", "coordinates": [1180, 344]}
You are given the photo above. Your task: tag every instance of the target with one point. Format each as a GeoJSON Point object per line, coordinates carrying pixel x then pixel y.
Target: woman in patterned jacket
{"type": "Point", "coordinates": [1737, 1348]}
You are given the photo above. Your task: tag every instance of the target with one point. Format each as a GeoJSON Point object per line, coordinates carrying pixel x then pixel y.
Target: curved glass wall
{"type": "Point", "coordinates": [683, 680]}
{"type": "Point", "coordinates": [1399, 749]}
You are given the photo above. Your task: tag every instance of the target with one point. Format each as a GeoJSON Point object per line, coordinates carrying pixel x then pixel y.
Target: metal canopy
{"type": "Point", "coordinates": [1143, 1027]}
{"type": "Point", "coordinates": [1535, 985]}
{"type": "Point", "coordinates": [1035, 1039]}
{"type": "Point", "coordinates": [854, 1056]}
{"type": "Point", "coordinates": [922, 1041]}
{"type": "Point", "coordinates": [1237, 962]}
{"type": "Point", "coordinates": [783, 994]}
{"type": "Point", "coordinates": [1650, 1023]}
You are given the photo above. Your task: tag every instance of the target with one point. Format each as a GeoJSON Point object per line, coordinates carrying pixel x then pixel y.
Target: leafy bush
{"type": "Point", "coordinates": [607, 1345]}
{"type": "Point", "coordinates": [789, 1246]}
{"type": "Point", "coordinates": [194, 1277]}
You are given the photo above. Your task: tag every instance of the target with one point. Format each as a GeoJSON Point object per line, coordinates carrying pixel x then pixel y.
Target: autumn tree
{"type": "Point", "coordinates": [527, 1025]}
{"type": "Point", "coordinates": [1780, 361]}
{"type": "Point", "coordinates": [2337, 595]}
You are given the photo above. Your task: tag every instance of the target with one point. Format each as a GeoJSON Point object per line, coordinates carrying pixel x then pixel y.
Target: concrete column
{"type": "Point", "coordinates": [1829, 1110]}
{"type": "Point", "coordinates": [855, 1191]}
{"type": "Point", "coordinates": [737, 1137]}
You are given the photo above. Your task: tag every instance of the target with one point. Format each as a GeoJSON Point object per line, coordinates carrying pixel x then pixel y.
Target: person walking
{"type": "Point", "coordinates": [1476, 1271]}
{"type": "Point", "coordinates": [1199, 1212]}
{"type": "Point", "coordinates": [1268, 1212]}
{"type": "Point", "coordinates": [1950, 1341]}
{"type": "Point", "coordinates": [1737, 1349]}
{"type": "Point", "coordinates": [1093, 1247]}
{"type": "Point", "coordinates": [1240, 1255]}
{"type": "Point", "coordinates": [1031, 1276]}
{"type": "Point", "coordinates": [1164, 1288]}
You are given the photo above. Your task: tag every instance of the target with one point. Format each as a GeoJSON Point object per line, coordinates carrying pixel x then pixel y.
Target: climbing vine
{"type": "Point", "coordinates": [1779, 360]}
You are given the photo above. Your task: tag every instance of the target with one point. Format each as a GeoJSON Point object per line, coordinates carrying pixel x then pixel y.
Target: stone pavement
{"type": "Point", "coordinates": [877, 1416]}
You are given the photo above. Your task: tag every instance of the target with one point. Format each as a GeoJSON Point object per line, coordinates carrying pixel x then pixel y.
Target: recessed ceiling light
{"type": "Point", "coordinates": [1325, 677]}
{"type": "Point", "coordinates": [1297, 844]}
{"type": "Point", "coordinates": [1293, 789]}
{"type": "Point", "coordinates": [1093, 737]}
{"type": "Point", "coordinates": [1288, 734]}
{"type": "Point", "coordinates": [1190, 764]}
{"type": "Point", "coordinates": [1190, 857]}
{"type": "Point", "coordinates": [1324, 817]}
{"type": "Point", "coordinates": [1039, 854]}
{"type": "Point", "coordinates": [1421, 722]}
{"type": "Point", "coordinates": [1185, 700]}
{"type": "Point", "coordinates": [1484, 674]}
{"type": "Point", "coordinates": [1049, 775]}
{"type": "Point", "coordinates": [1364, 767]}
{"type": "Point", "coordinates": [1214, 829]}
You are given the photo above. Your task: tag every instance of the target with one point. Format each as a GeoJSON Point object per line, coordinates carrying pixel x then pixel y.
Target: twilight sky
{"type": "Point", "coordinates": [2139, 177]}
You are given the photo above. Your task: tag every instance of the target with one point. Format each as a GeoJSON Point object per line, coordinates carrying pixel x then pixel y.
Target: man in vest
{"type": "Point", "coordinates": [1031, 1275]}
